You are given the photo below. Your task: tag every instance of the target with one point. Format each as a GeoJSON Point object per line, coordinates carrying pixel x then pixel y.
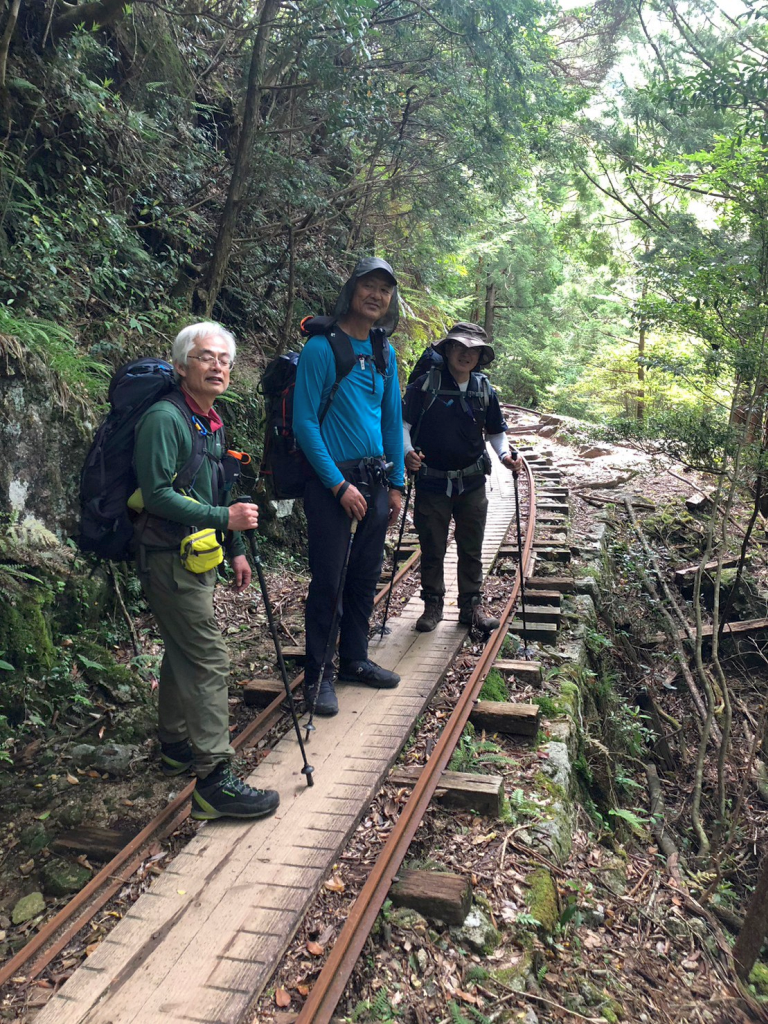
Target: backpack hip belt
{"type": "Point", "coordinates": [455, 477]}
{"type": "Point", "coordinates": [370, 469]}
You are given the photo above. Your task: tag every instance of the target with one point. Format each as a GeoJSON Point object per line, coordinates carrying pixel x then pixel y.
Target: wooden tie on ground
{"type": "Point", "coordinates": [202, 942]}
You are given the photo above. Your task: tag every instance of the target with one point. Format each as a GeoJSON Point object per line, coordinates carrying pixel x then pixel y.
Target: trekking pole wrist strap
{"type": "Point", "coordinates": [342, 491]}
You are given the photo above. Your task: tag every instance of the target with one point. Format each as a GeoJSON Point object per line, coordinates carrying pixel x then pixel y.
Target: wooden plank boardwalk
{"type": "Point", "coordinates": [202, 942]}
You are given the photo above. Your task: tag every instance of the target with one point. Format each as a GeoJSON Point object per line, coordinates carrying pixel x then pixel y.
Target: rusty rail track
{"type": "Point", "coordinates": [64, 926]}
{"type": "Point", "coordinates": [327, 990]}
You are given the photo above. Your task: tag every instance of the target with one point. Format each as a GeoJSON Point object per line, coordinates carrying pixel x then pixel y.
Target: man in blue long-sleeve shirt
{"type": "Point", "coordinates": [350, 448]}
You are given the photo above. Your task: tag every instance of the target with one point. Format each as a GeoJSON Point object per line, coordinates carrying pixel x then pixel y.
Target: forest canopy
{"type": "Point", "coordinates": [587, 182]}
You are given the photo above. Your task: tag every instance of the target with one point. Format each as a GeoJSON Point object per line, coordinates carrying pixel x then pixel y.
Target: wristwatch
{"type": "Point", "coordinates": [396, 487]}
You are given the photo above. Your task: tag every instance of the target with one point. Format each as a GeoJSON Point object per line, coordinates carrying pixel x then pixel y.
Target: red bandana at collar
{"type": "Point", "coordinates": [215, 421]}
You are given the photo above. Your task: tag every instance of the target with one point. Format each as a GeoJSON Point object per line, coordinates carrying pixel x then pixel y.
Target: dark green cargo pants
{"type": "Point", "coordinates": [432, 515]}
{"type": "Point", "coordinates": [194, 675]}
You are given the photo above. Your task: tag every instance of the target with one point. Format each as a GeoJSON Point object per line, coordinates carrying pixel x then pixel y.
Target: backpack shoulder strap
{"type": "Point", "coordinates": [186, 475]}
{"type": "Point", "coordinates": [344, 358]}
{"type": "Point", "coordinates": [430, 389]}
{"type": "Point", "coordinates": [432, 381]}
{"type": "Point", "coordinates": [380, 346]}
{"type": "Point", "coordinates": [481, 388]}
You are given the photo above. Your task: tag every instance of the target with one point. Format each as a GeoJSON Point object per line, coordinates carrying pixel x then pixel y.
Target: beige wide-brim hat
{"type": "Point", "coordinates": [470, 335]}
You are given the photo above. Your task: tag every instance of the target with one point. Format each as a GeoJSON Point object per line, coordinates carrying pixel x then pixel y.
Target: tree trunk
{"type": "Point", "coordinates": [223, 248]}
{"type": "Point", "coordinates": [490, 310]}
{"type": "Point", "coordinates": [752, 934]}
{"type": "Point", "coordinates": [641, 374]}
{"type": "Point", "coordinates": [5, 45]}
{"type": "Point", "coordinates": [640, 411]}
{"type": "Point", "coordinates": [475, 315]}
{"type": "Point", "coordinates": [5, 42]}
{"type": "Point", "coordinates": [285, 334]}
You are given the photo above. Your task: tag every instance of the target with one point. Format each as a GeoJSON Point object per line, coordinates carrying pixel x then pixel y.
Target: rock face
{"type": "Point", "coordinates": [43, 446]}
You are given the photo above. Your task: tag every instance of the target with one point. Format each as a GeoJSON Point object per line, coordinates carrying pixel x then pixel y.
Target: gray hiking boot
{"type": "Point", "coordinates": [472, 614]}
{"type": "Point", "coordinates": [432, 614]}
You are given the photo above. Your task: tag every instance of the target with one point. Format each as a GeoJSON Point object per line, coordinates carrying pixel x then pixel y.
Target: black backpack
{"type": "Point", "coordinates": [429, 359]}
{"type": "Point", "coordinates": [108, 478]}
{"type": "Point", "coordinates": [284, 466]}
{"type": "Point", "coordinates": [479, 387]}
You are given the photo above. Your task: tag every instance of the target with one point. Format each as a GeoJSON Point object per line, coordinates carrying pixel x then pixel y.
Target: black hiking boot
{"type": "Point", "coordinates": [367, 673]}
{"type": "Point", "coordinates": [223, 795]}
{"type": "Point", "coordinates": [327, 704]}
{"type": "Point", "coordinates": [176, 758]}
{"type": "Point", "coordinates": [472, 614]}
{"type": "Point", "coordinates": [432, 614]}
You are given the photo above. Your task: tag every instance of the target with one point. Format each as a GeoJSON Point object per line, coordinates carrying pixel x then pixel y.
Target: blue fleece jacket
{"type": "Point", "coordinates": [365, 416]}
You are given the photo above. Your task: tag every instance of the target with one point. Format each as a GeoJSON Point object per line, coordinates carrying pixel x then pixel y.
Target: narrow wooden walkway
{"type": "Point", "coordinates": [203, 941]}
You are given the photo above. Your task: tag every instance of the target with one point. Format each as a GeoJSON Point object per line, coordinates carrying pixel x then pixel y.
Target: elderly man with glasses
{"type": "Point", "coordinates": [178, 500]}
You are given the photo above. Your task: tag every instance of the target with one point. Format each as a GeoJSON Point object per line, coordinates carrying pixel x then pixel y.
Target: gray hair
{"type": "Point", "coordinates": [188, 337]}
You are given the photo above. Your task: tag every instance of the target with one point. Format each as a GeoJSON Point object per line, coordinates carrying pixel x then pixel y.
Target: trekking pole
{"type": "Point", "coordinates": [307, 770]}
{"type": "Point", "coordinates": [515, 475]}
{"type": "Point", "coordinates": [396, 556]}
{"type": "Point", "coordinates": [329, 645]}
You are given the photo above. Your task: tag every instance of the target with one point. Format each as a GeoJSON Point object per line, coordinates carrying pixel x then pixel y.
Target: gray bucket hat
{"type": "Point", "coordinates": [470, 335]}
{"type": "Point", "coordinates": [367, 266]}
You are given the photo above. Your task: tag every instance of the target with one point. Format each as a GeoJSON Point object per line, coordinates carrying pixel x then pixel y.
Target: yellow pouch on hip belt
{"type": "Point", "coordinates": [201, 551]}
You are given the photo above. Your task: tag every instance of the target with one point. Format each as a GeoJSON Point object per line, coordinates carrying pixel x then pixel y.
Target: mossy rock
{"type": "Point", "coordinates": [28, 907]}
{"type": "Point", "coordinates": [34, 839]}
{"type": "Point", "coordinates": [569, 697]}
{"type": "Point", "coordinates": [25, 630]}
{"type": "Point", "coordinates": [83, 602]}
{"type": "Point", "coordinates": [495, 687]}
{"type": "Point", "coordinates": [60, 877]}
{"type": "Point", "coordinates": [405, 917]}
{"type": "Point", "coordinates": [477, 932]}
{"type": "Point", "coordinates": [70, 815]}
{"type": "Point", "coordinates": [542, 900]}
{"type": "Point", "coordinates": [516, 977]}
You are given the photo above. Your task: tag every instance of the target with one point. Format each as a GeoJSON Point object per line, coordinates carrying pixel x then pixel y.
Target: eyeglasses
{"type": "Point", "coordinates": [209, 359]}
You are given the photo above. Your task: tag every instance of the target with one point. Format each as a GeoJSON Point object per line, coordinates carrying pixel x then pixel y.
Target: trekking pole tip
{"type": "Point", "coordinates": [308, 771]}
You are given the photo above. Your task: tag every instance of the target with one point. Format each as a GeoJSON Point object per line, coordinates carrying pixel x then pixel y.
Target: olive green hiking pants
{"type": "Point", "coordinates": [432, 514]}
{"type": "Point", "coordinates": [194, 675]}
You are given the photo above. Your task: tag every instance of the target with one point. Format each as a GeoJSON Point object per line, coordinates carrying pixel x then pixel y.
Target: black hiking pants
{"type": "Point", "coordinates": [328, 529]}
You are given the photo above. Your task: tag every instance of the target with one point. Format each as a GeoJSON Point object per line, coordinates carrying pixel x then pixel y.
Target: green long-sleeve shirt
{"type": "Point", "coordinates": [163, 446]}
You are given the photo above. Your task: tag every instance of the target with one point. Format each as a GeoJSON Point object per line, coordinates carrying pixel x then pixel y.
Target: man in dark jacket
{"type": "Point", "coordinates": [357, 456]}
{"type": "Point", "coordinates": [447, 415]}
{"type": "Point", "coordinates": [194, 676]}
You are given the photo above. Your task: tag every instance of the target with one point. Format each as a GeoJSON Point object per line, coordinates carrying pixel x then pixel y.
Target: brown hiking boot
{"type": "Point", "coordinates": [474, 615]}
{"type": "Point", "coordinates": [432, 614]}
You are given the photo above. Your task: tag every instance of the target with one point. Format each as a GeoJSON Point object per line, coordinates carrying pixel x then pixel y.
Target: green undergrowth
{"type": "Point", "coordinates": [495, 687]}
{"type": "Point", "coordinates": [475, 755]}
{"type": "Point", "coordinates": [517, 808]}
{"type": "Point", "coordinates": [58, 633]}
{"type": "Point", "coordinates": [78, 376]}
